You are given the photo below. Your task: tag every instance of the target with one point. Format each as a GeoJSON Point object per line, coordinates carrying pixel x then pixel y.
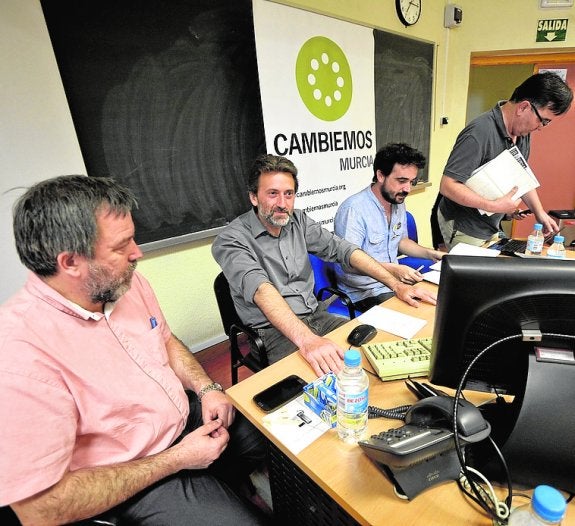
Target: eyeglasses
{"type": "Point", "coordinates": [544, 122]}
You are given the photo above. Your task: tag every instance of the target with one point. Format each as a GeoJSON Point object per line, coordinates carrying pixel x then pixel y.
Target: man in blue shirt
{"type": "Point", "coordinates": [375, 220]}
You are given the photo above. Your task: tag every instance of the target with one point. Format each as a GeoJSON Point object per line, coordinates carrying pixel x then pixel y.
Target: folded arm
{"type": "Point", "coordinates": [464, 196]}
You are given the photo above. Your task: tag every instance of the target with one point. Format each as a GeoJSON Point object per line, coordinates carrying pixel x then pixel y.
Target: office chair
{"type": "Point", "coordinates": [234, 328]}
{"type": "Point", "coordinates": [325, 282]}
{"type": "Point", "coordinates": [414, 262]}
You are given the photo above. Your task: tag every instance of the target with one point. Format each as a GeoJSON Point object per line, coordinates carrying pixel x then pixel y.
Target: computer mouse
{"type": "Point", "coordinates": [361, 334]}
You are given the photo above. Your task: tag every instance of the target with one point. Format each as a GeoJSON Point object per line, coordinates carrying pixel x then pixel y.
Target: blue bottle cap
{"type": "Point", "coordinates": [352, 358]}
{"type": "Point", "coordinates": [548, 503]}
{"type": "Point", "coordinates": [558, 239]}
{"type": "Point", "coordinates": [538, 226]}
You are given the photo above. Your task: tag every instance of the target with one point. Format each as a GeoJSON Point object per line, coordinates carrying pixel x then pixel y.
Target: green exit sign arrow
{"type": "Point", "coordinates": [554, 30]}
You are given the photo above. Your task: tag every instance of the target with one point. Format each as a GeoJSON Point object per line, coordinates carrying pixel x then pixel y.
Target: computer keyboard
{"type": "Point", "coordinates": [510, 246]}
{"type": "Point", "coordinates": [399, 359]}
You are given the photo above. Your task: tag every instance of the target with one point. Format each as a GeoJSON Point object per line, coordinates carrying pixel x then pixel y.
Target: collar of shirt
{"type": "Point", "coordinates": [42, 290]}
{"type": "Point", "coordinates": [258, 229]}
{"type": "Point", "coordinates": [499, 122]}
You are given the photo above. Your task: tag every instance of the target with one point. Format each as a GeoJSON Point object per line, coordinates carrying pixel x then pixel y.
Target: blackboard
{"type": "Point", "coordinates": [403, 91]}
{"type": "Point", "coordinates": [165, 98]}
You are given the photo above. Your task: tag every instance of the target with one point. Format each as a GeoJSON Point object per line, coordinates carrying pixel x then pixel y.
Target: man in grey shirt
{"type": "Point", "coordinates": [532, 106]}
{"type": "Point", "coordinates": [264, 256]}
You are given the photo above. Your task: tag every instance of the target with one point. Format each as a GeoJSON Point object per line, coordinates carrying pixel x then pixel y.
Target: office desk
{"type": "Point", "coordinates": [343, 471]}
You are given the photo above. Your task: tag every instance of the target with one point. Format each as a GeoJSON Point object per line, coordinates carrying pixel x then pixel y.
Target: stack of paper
{"type": "Point", "coordinates": [497, 177]}
{"type": "Point", "coordinates": [461, 249]}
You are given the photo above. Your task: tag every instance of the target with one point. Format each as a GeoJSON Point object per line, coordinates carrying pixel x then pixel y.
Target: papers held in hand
{"type": "Point", "coordinates": [497, 177]}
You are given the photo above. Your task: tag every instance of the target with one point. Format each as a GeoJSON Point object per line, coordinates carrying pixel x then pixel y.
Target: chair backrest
{"type": "Point", "coordinates": [411, 227]}
{"type": "Point", "coordinates": [413, 262]}
{"type": "Point", "coordinates": [323, 273]}
{"type": "Point", "coordinates": [325, 278]}
{"type": "Point", "coordinates": [228, 312]}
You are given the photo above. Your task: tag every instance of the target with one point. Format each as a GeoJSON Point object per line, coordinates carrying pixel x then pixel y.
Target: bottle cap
{"type": "Point", "coordinates": [537, 226]}
{"type": "Point", "coordinates": [352, 358]}
{"type": "Point", "coordinates": [548, 503]}
{"type": "Point", "coordinates": [558, 239]}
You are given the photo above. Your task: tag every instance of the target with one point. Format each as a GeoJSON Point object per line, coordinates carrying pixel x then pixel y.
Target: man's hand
{"type": "Point", "coordinates": [322, 354]}
{"type": "Point", "coordinates": [201, 447]}
{"type": "Point", "coordinates": [505, 204]}
{"type": "Point", "coordinates": [216, 404]}
{"type": "Point", "coordinates": [549, 224]}
{"type": "Point", "coordinates": [413, 295]}
{"type": "Point", "coordinates": [404, 273]}
{"type": "Point", "coordinates": [89, 491]}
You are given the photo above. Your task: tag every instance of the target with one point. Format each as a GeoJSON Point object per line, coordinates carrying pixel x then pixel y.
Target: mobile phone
{"type": "Point", "coordinates": [280, 393]}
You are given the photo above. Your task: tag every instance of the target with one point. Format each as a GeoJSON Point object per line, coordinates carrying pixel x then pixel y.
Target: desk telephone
{"type": "Point", "coordinates": [422, 453]}
{"type": "Point", "coordinates": [428, 431]}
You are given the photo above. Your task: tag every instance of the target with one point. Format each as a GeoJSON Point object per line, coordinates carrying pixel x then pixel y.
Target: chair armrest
{"type": "Point", "coordinates": [238, 328]}
{"type": "Point", "coordinates": [345, 299]}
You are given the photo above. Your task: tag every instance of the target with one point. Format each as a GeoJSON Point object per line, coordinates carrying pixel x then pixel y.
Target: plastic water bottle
{"type": "Point", "coordinates": [557, 249]}
{"type": "Point", "coordinates": [535, 241]}
{"type": "Point", "coordinates": [547, 508]}
{"type": "Point", "coordinates": [352, 398]}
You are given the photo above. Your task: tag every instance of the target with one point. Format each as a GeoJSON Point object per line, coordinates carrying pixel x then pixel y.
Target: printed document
{"type": "Point", "coordinates": [295, 425]}
{"type": "Point", "coordinates": [497, 177]}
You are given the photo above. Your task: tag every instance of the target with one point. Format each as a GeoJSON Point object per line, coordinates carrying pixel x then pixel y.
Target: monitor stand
{"type": "Point", "coordinates": [535, 432]}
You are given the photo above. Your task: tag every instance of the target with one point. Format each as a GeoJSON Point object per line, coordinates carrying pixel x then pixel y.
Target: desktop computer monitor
{"type": "Point", "coordinates": [505, 304]}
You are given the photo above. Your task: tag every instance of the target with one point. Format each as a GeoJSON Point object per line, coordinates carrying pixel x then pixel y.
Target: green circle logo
{"type": "Point", "coordinates": [323, 78]}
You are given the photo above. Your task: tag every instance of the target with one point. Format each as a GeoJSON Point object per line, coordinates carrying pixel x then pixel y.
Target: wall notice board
{"type": "Point", "coordinates": [165, 98]}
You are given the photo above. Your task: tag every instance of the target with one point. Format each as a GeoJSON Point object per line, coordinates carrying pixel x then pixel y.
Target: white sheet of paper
{"type": "Point", "coordinates": [463, 249]}
{"type": "Point", "coordinates": [432, 276]}
{"type": "Point", "coordinates": [391, 321]}
{"type": "Point", "coordinates": [295, 425]}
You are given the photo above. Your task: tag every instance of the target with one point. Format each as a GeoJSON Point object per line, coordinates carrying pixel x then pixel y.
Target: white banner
{"type": "Point", "coordinates": [317, 88]}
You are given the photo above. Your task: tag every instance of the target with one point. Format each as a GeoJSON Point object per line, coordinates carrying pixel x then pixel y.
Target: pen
{"type": "Point", "coordinates": [153, 322]}
{"type": "Point", "coordinates": [420, 268]}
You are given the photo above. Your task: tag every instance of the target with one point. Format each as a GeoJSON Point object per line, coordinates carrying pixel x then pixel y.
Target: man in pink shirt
{"type": "Point", "coordinates": [104, 412]}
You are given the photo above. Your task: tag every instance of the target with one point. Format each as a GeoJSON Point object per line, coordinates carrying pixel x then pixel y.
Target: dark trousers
{"type": "Point", "coordinates": [205, 497]}
{"type": "Point", "coordinates": [278, 346]}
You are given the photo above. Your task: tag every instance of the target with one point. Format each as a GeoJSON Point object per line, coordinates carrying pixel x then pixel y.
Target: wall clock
{"type": "Point", "coordinates": [408, 11]}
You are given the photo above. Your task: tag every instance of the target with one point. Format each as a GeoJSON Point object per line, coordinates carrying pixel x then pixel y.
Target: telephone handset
{"type": "Point", "coordinates": [428, 431]}
{"type": "Point", "coordinates": [437, 411]}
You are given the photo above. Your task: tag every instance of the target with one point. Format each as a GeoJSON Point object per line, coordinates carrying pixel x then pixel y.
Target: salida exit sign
{"type": "Point", "coordinates": [553, 30]}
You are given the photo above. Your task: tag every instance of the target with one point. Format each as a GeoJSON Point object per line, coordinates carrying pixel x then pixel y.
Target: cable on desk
{"type": "Point", "coordinates": [501, 509]}
{"type": "Point", "coordinates": [396, 413]}
{"type": "Point", "coordinates": [477, 490]}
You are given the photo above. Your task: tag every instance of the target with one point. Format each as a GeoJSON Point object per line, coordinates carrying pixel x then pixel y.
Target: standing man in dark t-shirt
{"type": "Point", "coordinates": [532, 106]}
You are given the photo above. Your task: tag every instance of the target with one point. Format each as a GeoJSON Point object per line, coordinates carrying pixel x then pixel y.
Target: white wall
{"type": "Point", "coordinates": [37, 136]}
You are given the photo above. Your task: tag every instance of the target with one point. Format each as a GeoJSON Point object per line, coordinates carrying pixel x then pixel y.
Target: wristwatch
{"type": "Point", "coordinates": [214, 386]}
